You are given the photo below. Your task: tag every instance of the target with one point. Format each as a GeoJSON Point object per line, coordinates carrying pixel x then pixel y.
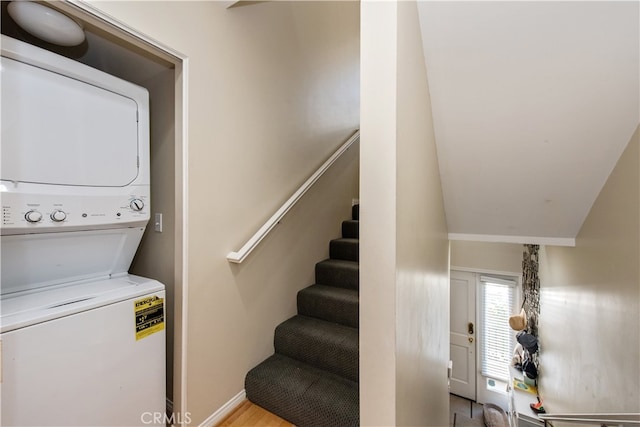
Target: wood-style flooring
{"type": "Point", "coordinates": [463, 414]}
{"type": "Point", "coordinates": [249, 415]}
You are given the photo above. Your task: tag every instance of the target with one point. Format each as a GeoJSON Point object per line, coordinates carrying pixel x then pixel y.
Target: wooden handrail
{"type": "Point", "coordinates": [240, 255]}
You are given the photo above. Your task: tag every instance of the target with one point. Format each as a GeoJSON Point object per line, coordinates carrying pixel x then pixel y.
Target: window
{"type": "Point", "coordinates": [498, 340]}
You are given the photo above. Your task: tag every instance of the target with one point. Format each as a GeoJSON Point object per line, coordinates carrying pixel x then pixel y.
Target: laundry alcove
{"type": "Point", "coordinates": [124, 53]}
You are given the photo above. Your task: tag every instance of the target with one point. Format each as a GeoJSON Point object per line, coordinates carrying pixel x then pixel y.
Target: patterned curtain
{"type": "Point", "coordinates": [531, 287]}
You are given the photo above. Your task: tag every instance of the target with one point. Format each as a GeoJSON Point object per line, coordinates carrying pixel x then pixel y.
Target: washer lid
{"type": "Point", "coordinates": [41, 305]}
{"type": "Point", "coordinates": [40, 260]}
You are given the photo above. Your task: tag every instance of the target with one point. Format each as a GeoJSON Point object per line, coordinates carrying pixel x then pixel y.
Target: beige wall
{"type": "Point", "coordinates": [404, 252]}
{"type": "Point", "coordinates": [378, 39]}
{"type": "Point", "coordinates": [422, 269]}
{"type": "Point", "coordinates": [273, 91]}
{"type": "Point", "coordinates": [483, 256]}
{"type": "Point", "coordinates": [590, 343]}
{"type": "Point", "coordinates": [157, 251]}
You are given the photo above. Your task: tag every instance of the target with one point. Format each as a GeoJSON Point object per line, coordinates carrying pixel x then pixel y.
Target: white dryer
{"type": "Point", "coordinates": [82, 341]}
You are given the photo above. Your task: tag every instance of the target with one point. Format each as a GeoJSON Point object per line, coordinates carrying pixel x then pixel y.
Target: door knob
{"type": "Point", "coordinates": [470, 328]}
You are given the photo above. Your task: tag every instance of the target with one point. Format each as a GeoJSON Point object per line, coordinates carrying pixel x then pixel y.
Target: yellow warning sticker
{"type": "Point", "coordinates": [149, 316]}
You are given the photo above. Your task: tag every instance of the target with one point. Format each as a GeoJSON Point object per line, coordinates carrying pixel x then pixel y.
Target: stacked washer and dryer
{"type": "Point", "coordinates": [82, 341]}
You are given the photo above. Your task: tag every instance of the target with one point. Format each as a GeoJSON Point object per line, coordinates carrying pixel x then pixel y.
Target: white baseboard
{"type": "Point", "coordinates": [224, 410]}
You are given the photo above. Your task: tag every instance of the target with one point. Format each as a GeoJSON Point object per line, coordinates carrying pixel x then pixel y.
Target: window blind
{"type": "Point", "coordinates": [498, 340]}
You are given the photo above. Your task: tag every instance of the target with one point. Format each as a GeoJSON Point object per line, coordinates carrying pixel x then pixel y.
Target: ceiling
{"type": "Point", "coordinates": [533, 104]}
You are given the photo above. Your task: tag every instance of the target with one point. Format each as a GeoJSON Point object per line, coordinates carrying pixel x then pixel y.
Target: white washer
{"type": "Point", "coordinates": [85, 354]}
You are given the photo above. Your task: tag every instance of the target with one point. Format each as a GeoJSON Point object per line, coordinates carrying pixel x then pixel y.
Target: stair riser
{"type": "Point", "coordinates": [351, 229]}
{"type": "Point", "coordinates": [332, 351]}
{"type": "Point", "coordinates": [336, 308]}
{"type": "Point", "coordinates": [339, 275]}
{"type": "Point", "coordinates": [345, 249]}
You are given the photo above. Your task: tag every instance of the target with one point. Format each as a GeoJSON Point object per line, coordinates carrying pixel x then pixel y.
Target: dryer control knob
{"type": "Point", "coordinates": [33, 216]}
{"type": "Point", "coordinates": [136, 204]}
{"type": "Point", "coordinates": [58, 216]}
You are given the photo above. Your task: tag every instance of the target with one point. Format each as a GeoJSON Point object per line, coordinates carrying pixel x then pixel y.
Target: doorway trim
{"type": "Point", "coordinates": [482, 395]}
{"type": "Point", "coordinates": [91, 14]}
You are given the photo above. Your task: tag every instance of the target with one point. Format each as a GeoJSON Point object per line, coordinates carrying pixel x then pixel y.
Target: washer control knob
{"type": "Point", "coordinates": [136, 204]}
{"type": "Point", "coordinates": [33, 216]}
{"type": "Point", "coordinates": [58, 215]}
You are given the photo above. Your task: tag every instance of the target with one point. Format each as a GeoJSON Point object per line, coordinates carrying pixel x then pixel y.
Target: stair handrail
{"type": "Point", "coordinates": [242, 253]}
{"type": "Point", "coordinates": [602, 419]}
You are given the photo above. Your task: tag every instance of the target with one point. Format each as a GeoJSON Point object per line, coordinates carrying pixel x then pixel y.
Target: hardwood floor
{"type": "Point", "coordinates": [249, 415]}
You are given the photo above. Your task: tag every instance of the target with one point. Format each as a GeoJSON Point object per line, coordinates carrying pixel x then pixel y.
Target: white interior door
{"type": "Point", "coordinates": [463, 334]}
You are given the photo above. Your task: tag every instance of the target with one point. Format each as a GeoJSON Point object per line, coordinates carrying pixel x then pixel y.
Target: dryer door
{"type": "Point", "coordinates": [58, 130]}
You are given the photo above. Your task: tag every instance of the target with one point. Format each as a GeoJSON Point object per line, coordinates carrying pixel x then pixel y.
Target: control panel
{"type": "Point", "coordinates": [29, 213]}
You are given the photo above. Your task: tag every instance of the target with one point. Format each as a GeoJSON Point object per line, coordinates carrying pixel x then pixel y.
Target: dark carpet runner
{"type": "Point", "coordinates": [312, 379]}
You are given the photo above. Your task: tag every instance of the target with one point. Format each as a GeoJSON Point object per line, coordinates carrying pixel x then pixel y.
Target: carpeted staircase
{"type": "Point", "coordinates": [312, 379]}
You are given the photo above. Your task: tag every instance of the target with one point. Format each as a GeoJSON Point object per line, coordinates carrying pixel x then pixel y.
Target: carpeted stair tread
{"type": "Point", "coordinates": [339, 273]}
{"type": "Point", "coordinates": [345, 249]}
{"type": "Point", "coordinates": [304, 395]}
{"type": "Point", "coordinates": [330, 303]}
{"type": "Point", "coordinates": [351, 229]}
{"type": "Point", "coordinates": [327, 346]}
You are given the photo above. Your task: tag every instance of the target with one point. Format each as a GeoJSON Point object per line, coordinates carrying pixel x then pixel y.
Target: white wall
{"type": "Point", "coordinates": [590, 311]}
{"type": "Point", "coordinates": [404, 251]}
{"type": "Point", "coordinates": [483, 256]}
{"type": "Point", "coordinates": [273, 90]}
